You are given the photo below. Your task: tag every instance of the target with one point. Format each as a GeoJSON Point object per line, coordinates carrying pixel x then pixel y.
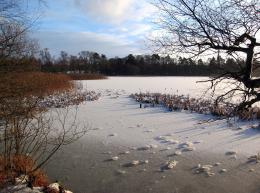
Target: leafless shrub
{"type": "Point", "coordinates": [30, 130]}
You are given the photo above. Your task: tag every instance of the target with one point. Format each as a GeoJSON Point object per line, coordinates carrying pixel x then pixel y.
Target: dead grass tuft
{"type": "Point", "coordinates": [39, 178]}
{"type": "Point", "coordinates": [22, 165]}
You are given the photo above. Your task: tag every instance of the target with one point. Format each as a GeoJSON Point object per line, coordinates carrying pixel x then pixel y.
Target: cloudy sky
{"type": "Point", "coordinates": [112, 27]}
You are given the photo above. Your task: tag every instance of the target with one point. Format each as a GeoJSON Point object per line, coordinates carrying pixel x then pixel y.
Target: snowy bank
{"type": "Point", "coordinates": [21, 186]}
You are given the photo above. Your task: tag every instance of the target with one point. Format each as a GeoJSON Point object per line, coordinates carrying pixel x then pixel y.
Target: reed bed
{"type": "Point", "coordinates": [61, 100]}
{"type": "Point", "coordinates": [198, 105]}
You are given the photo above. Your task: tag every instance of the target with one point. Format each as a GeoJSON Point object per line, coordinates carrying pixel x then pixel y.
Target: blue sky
{"type": "Point", "coordinates": [111, 27]}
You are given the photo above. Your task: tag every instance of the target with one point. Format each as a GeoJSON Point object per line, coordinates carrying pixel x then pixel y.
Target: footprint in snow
{"type": "Point", "coordinates": [231, 152]}
{"type": "Point", "coordinates": [148, 131]}
{"type": "Point", "coordinates": [124, 153]}
{"type": "Point", "coordinates": [112, 135]}
{"type": "Point", "coordinates": [132, 163]}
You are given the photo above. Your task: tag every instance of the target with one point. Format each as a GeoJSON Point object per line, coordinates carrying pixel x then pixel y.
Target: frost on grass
{"type": "Point", "coordinates": [60, 100]}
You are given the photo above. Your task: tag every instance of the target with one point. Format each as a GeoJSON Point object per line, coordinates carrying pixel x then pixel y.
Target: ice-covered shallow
{"type": "Point", "coordinates": [167, 84]}
{"type": "Point", "coordinates": [122, 132]}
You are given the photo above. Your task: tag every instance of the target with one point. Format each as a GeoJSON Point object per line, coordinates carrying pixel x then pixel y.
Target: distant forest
{"type": "Point", "coordinates": [92, 62]}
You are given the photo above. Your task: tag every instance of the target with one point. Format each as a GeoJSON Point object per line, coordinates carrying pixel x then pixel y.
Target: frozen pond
{"type": "Point", "coordinates": [98, 162]}
{"type": "Point", "coordinates": [166, 84]}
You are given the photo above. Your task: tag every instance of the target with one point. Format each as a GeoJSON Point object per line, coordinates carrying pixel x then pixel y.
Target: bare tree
{"type": "Point", "coordinates": [203, 27]}
{"type": "Point", "coordinates": [37, 135]}
{"type": "Point", "coordinates": [30, 133]}
{"type": "Point", "coordinates": [30, 130]}
{"type": "Point", "coordinates": [16, 19]}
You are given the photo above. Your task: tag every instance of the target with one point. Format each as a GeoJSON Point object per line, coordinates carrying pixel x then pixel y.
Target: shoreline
{"type": "Point", "coordinates": [146, 76]}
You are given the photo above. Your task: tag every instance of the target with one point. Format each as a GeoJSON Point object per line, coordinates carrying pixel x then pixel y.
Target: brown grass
{"type": "Point", "coordinates": [32, 83]}
{"type": "Point", "coordinates": [3, 176]}
{"type": "Point", "coordinates": [87, 76]}
{"type": "Point", "coordinates": [3, 179]}
{"type": "Point", "coordinates": [20, 91]}
{"type": "Point", "coordinates": [40, 178]}
{"type": "Point", "coordinates": [22, 165]}
{"type": "Point", "coordinates": [14, 88]}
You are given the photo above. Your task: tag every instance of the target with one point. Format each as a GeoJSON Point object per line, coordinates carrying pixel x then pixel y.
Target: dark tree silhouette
{"type": "Point", "coordinates": [16, 20]}
{"type": "Point", "coordinates": [202, 27]}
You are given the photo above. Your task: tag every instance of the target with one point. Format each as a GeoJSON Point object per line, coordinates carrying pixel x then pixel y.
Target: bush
{"type": "Point", "coordinates": [20, 93]}
{"type": "Point", "coordinates": [22, 164]}
{"type": "Point", "coordinates": [40, 178]}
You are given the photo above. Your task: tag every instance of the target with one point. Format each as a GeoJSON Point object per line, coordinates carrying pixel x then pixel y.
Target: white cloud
{"type": "Point", "coordinates": [115, 11]}
{"type": "Point", "coordinates": [119, 27]}
{"type": "Point", "coordinates": [105, 10]}
{"type": "Point", "coordinates": [74, 42]}
{"type": "Point", "coordinates": [138, 30]}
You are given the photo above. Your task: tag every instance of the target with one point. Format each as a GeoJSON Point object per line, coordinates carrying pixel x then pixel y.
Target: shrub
{"type": "Point", "coordinates": [39, 178]}
{"type": "Point", "coordinates": [22, 164]}
{"type": "Point", "coordinates": [25, 127]}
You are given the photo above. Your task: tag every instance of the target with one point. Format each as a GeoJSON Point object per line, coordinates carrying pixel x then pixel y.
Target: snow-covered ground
{"type": "Point", "coordinates": [129, 149]}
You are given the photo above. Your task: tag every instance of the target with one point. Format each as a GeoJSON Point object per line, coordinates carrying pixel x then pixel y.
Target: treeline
{"type": "Point", "coordinates": [95, 63]}
{"type": "Point", "coordinates": [92, 62]}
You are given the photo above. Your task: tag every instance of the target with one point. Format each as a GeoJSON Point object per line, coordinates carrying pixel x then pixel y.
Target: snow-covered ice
{"type": "Point", "coordinates": [190, 138]}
